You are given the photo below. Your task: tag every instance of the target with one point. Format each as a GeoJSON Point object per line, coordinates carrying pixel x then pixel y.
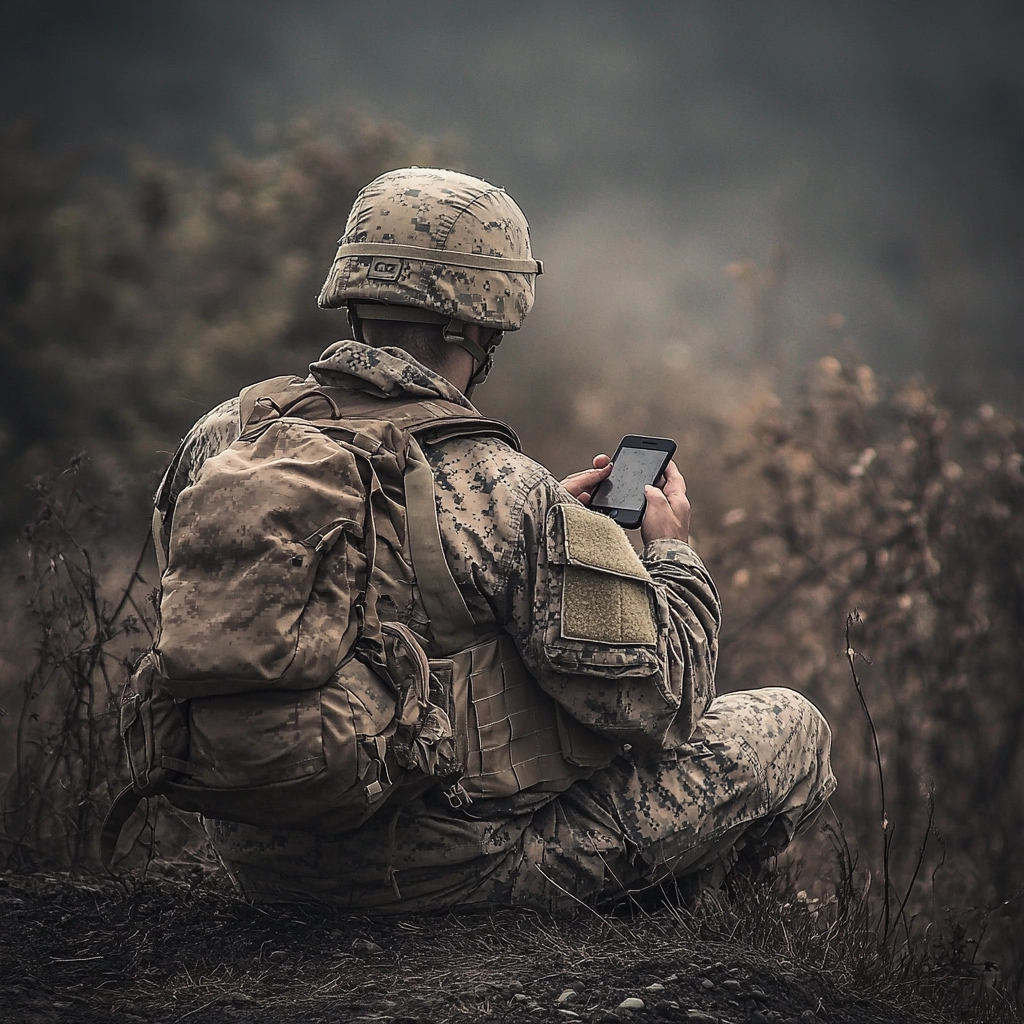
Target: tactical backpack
{"type": "Point", "coordinates": [283, 690]}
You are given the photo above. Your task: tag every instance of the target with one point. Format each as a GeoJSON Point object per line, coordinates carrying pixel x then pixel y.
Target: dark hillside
{"type": "Point", "coordinates": [165, 951]}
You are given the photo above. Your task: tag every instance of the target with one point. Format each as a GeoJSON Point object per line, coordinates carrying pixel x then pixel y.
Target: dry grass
{"type": "Point", "coordinates": [174, 949]}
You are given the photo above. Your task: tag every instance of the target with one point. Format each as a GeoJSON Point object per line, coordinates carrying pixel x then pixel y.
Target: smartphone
{"type": "Point", "coordinates": [638, 461]}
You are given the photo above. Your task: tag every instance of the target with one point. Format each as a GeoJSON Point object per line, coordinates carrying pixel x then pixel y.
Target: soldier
{"type": "Point", "coordinates": [610, 766]}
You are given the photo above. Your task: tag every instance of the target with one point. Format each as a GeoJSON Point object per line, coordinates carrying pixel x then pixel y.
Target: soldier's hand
{"type": "Point", "coordinates": [668, 508]}
{"type": "Point", "coordinates": [581, 485]}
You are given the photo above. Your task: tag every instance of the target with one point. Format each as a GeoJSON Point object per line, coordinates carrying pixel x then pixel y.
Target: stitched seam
{"type": "Point", "coordinates": [469, 205]}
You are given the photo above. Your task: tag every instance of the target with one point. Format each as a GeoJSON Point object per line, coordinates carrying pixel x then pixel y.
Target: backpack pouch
{"type": "Point", "coordinates": [255, 739]}
{"type": "Point", "coordinates": [153, 728]}
{"type": "Point", "coordinates": [259, 571]}
{"type": "Point", "coordinates": [313, 759]}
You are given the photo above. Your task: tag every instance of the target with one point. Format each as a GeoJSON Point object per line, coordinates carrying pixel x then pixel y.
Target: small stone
{"type": "Point", "coordinates": [655, 987]}
{"type": "Point", "coordinates": [571, 1014]}
{"type": "Point", "coordinates": [671, 978]}
{"type": "Point", "coordinates": [707, 984]}
{"type": "Point", "coordinates": [631, 1003]}
{"type": "Point", "coordinates": [700, 1017]}
{"type": "Point", "coordinates": [757, 1017]}
{"type": "Point", "coordinates": [515, 987]}
{"type": "Point", "coordinates": [482, 991]}
{"type": "Point", "coordinates": [365, 946]}
{"type": "Point", "coordinates": [773, 1016]}
{"type": "Point", "coordinates": [537, 1010]}
{"type": "Point", "coordinates": [756, 993]}
{"type": "Point", "coordinates": [568, 997]}
{"type": "Point", "coordinates": [667, 1008]}
{"type": "Point", "coordinates": [732, 984]}
{"type": "Point", "coordinates": [519, 997]}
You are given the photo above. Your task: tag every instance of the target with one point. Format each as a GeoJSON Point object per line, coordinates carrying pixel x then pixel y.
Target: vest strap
{"type": "Point", "coordinates": [451, 623]}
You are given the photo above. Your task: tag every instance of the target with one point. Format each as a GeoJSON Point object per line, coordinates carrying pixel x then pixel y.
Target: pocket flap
{"type": "Point", "coordinates": [595, 542]}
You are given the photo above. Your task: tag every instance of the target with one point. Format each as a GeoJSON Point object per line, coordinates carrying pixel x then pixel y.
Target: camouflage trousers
{"type": "Point", "coordinates": [755, 772]}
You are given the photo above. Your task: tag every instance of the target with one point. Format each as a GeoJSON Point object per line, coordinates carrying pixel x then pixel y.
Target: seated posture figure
{"type": "Point", "coordinates": [603, 762]}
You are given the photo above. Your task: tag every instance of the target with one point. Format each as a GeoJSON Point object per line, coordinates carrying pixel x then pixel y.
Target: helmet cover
{"type": "Point", "coordinates": [483, 271]}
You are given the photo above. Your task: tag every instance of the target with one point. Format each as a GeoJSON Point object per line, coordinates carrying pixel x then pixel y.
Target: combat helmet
{"type": "Point", "coordinates": [428, 245]}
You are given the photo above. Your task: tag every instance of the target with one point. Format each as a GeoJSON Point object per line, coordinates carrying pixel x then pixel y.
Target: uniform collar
{"type": "Point", "coordinates": [386, 372]}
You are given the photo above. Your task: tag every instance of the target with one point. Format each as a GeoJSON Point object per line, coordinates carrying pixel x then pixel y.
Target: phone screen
{"type": "Point", "coordinates": [633, 469]}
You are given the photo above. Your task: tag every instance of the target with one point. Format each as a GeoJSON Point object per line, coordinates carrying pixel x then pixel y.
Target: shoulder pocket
{"type": "Point", "coordinates": [605, 587]}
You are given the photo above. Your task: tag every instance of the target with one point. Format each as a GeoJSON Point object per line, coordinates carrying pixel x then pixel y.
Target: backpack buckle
{"type": "Point", "coordinates": [457, 796]}
{"type": "Point", "coordinates": [377, 768]}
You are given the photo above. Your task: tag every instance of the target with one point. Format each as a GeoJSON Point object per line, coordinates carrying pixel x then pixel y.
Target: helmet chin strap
{"type": "Point", "coordinates": [356, 325]}
{"type": "Point", "coordinates": [454, 334]}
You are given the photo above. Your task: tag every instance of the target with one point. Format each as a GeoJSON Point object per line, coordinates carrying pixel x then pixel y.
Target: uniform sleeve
{"type": "Point", "coordinates": [626, 645]}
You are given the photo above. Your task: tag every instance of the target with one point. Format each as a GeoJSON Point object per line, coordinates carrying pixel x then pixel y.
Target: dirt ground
{"type": "Point", "coordinates": [166, 950]}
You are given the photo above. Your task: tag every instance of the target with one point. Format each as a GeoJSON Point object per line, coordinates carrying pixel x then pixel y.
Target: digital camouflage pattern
{"type": "Point", "coordinates": [701, 777]}
{"type": "Point", "coordinates": [431, 208]}
{"type": "Point", "coordinates": [756, 771]}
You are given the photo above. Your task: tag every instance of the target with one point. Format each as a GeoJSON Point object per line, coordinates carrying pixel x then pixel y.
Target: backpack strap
{"type": "Point", "coordinates": [278, 395]}
{"type": "Point", "coordinates": [117, 817]}
{"type": "Point", "coordinates": [451, 623]}
{"type": "Point", "coordinates": [431, 420]}
{"type": "Point", "coordinates": [445, 428]}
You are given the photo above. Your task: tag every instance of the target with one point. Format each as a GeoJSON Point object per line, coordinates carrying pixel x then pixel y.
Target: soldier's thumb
{"type": "Point", "coordinates": [655, 496]}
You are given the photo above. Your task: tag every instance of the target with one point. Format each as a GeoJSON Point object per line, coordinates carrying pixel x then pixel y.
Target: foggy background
{"type": "Point", "coordinates": [722, 193]}
{"type": "Point", "coordinates": [872, 153]}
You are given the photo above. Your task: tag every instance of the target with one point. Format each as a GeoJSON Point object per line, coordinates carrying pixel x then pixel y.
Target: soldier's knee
{"type": "Point", "coordinates": [799, 710]}
{"type": "Point", "coordinates": [772, 720]}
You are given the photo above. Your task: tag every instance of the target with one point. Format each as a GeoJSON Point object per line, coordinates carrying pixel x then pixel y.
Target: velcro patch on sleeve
{"type": "Point", "coordinates": [605, 595]}
{"type": "Point", "coordinates": [606, 609]}
{"type": "Point", "coordinates": [593, 540]}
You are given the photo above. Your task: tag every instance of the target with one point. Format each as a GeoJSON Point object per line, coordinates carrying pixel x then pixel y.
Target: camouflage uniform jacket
{"type": "Point", "coordinates": [504, 533]}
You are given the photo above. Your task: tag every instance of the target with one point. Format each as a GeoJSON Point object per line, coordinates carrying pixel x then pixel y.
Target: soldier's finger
{"type": "Point", "coordinates": [591, 476]}
{"type": "Point", "coordinates": [674, 483]}
{"type": "Point", "coordinates": [585, 480]}
{"type": "Point", "coordinates": [656, 497]}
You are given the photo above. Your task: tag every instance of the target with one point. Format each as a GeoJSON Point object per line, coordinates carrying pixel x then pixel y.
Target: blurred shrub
{"type": "Point", "coordinates": [128, 308]}
{"type": "Point", "coordinates": [869, 498]}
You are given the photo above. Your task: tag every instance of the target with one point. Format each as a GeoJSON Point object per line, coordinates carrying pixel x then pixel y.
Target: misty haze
{"type": "Point", "coordinates": [875, 150]}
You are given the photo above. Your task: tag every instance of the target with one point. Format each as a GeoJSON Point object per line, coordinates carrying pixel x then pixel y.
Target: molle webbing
{"type": "Point", "coordinates": [512, 727]}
